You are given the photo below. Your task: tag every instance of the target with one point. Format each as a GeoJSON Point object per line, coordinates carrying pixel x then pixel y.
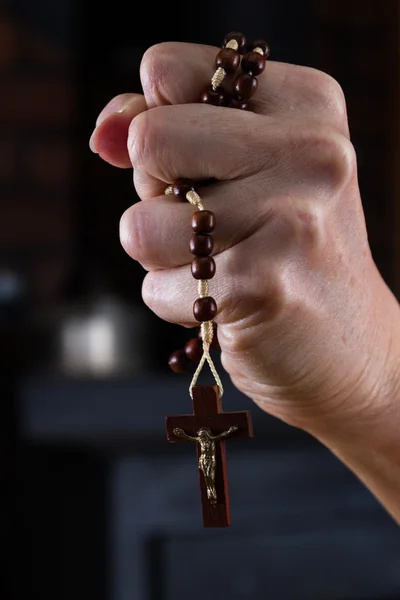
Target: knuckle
{"type": "Point", "coordinates": [145, 139]}
{"type": "Point", "coordinates": [138, 146]}
{"type": "Point", "coordinates": [156, 69]}
{"type": "Point", "coordinates": [329, 93]}
{"type": "Point", "coordinates": [298, 220]}
{"type": "Point", "coordinates": [309, 227]}
{"type": "Point", "coordinates": [134, 234]}
{"type": "Point", "coordinates": [149, 290]}
{"type": "Point", "coordinates": [330, 157]}
{"type": "Point", "coordinates": [251, 307]}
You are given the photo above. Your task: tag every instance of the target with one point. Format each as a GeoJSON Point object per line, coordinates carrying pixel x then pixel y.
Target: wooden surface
{"type": "Point", "coordinates": [207, 407]}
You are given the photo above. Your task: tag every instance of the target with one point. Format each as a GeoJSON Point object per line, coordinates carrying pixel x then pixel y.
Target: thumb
{"type": "Point", "coordinates": [109, 139]}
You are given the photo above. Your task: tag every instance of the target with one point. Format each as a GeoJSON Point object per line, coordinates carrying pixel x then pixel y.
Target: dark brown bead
{"type": "Point", "coordinates": [203, 267]}
{"type": "Point", "coordinates": [253, 63]}
{"type": "Point", "coordinates": [203, 221]}
{"type": "Point", "coordinates": [245, 85]}
{"type": "Point", "coordinates": [194, 349]}
{"type": "Point", "coordinates": [201, 244]}
{"type": "Point", "coordinates": [238, 103]}
{"type": "Point", "coordinates": [239, 37]}
{"type": "Point", "coordinates": [204, 309]}
{"type": "Point", "coordinates": [209, 96]}
{"type": "Point", "coordinates": [178, 361]}
{"type": "Point", "coordinates": [260, 44]}
{"type": "Point", "coordinates": [181, 187]}
{"type": "Point", "coordinates": [228, 59]}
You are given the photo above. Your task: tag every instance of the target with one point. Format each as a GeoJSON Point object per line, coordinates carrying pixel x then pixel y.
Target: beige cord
{"type": "Point", "coordinates": [218, 78]}
{"type": "Point", "coordinates": [206, 328]}
{"type": "Point", "coordinates": [194, 199]}
{"type": "Point", "coordinates": [232, 44]}
{"type": "Point", "coordinates": [207, 332]}
{"type": "Point", "coordinates": [220, 73]}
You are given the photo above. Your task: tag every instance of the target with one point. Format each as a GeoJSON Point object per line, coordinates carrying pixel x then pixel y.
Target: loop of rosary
{"type": "Point", "coordinates": [251, 59]}
{"type": "Point", "coordinates": [209, 426]}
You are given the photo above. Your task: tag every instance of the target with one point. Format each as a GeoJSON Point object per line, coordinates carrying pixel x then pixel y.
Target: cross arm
{"type": "Point", "coordinates": [218, 423]}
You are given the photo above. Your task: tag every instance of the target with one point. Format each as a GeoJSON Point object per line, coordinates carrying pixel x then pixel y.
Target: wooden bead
{"type": "Point", "coordinates": [253, 63]}
{"type": "Point", "coordinates": [194, 349]}
{"type": "Point", "coordinates": [203, 221]}
{"type": "Point", "coordinates": [201, 244]}
{"type": "Point", "coordinates": [181, 187]}
{"type": "Point", "coordinates": [203, 267]}
{"type": "Point", "coordinates": [245, 85]}
{"type": "Point", "coordinates": [209, 96]}
{"type": "Point", "coordinates": [204, 309]}
{"type": "Point", "coordinates": [261, 44]}
{"type": "Point", "coordinates": [239, 37]}
{"type": "Point", "coordinates": [178, 361]}
{"type": "Point", "coordinates": [238, 103]}
{"type": "Point", "coordinates": [228, 59]}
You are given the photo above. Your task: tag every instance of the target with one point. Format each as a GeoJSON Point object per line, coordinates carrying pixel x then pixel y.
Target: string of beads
{"type": "Point", "coordinates": [251, 58]}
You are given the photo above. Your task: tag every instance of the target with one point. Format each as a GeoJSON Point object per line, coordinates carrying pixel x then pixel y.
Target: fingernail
{"type": "Point", "coordinates": [92, 145]}
{"type": "Point", "coordinates": [107, 113]}
{"type": "Point", "coordinates": [102, 117]}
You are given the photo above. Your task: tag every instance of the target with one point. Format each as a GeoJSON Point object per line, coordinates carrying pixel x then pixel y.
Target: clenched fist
{"type": "Point", "coordinates": [307, 327]}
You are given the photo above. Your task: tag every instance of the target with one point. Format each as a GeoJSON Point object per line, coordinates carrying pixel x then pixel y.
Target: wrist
{"type": "Point", "coordinates": [368, 414]}
{"type": "Point", "coordinates": [364, 431]}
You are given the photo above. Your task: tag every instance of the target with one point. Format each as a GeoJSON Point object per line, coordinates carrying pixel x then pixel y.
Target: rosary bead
{"type": "Point", "coordinates": [228, 59]}
{"type": "Point", "coordinates": [238, 103]}
{"type": "Point", "coordinates": [209, 96]}
{"type": "Point", "coordinates": [204, 309]}
{"type": "Point", "coordinates": [239, 37]}
{"type": "Point", "coordinates": [203, 221]}
{"type": "Point", "coordinates": [181, 187]}
{"type": "Point", "coordinates": [178, 361]}
{"type": "Point", "coordinates": [253, 63]}
{"type": "Point", "coordinates": [203, 267]}
{"type": "Point", "coordinates": [194, 349]}
{"type": "Point", "coordinates": [245, 85]}
{"type": "Point", "coordinates": [260, 44]}
{"type": "Point", "coordinates": [201, 244]}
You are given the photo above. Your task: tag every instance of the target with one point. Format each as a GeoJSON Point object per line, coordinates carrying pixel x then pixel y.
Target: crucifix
{"type": "Point", "coordinates": [208, 427]}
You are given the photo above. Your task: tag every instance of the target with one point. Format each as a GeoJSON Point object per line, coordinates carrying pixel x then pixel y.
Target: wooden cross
{"type": "Point", "coordinates": [208, 413]}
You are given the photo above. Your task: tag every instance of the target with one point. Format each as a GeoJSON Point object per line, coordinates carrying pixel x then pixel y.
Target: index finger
{"type": "Point", "coordinates": [178, 72]}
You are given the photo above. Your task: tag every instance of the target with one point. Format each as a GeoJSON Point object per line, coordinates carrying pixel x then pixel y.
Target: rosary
{"type": "Point", "coordinates": [209, 426]}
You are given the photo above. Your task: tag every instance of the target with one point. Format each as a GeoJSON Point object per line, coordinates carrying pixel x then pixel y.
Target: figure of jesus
{"type": "Point", "coordinates": [207, 459]}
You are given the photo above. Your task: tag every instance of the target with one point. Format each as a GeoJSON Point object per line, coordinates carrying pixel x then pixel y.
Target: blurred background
{"type": "Point", "coordinates": [95, 503]}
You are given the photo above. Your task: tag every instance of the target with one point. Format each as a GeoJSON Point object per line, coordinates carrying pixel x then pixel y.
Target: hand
{"type": "Point", "coordinates": [307, 327]}
{"type": "Point", "coordinates": [178, 432]}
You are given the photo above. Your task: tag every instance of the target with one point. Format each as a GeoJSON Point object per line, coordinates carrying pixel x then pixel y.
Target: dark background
{"type": "Point", "coordinates": [95, 503]}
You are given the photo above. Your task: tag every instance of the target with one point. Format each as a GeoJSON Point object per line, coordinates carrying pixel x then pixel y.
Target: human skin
{"type": "Point", "coordinates": [307, 326]}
